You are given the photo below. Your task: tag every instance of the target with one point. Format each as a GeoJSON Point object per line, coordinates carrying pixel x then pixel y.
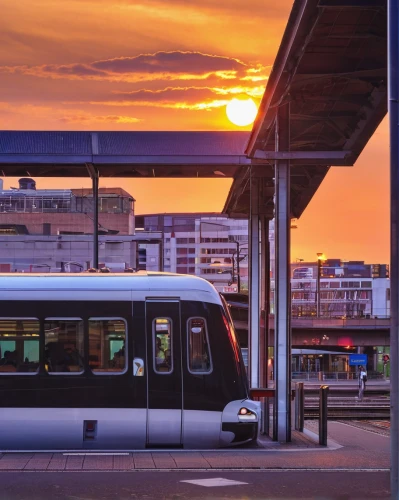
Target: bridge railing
{"type": "Point", "coordinates": [333, 376]}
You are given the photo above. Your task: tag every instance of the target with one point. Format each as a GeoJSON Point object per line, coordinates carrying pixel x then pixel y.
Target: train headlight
{"type": "Point", "coordinates": [245, 415]}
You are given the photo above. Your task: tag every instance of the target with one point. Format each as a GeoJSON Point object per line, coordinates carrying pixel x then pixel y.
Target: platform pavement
{"type": "Point", "coordinates": [349, 448]}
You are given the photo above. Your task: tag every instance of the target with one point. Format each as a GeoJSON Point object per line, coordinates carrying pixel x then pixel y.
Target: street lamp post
{"type": "Point", "coordinates": [320, 258]}
{"type": "Point", "coordinates": [237, 253]}
{"type": "Point", "coordinates": [238, 267]}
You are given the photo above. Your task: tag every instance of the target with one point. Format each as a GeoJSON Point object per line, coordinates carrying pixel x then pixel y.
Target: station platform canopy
{"type": "Point", "coordinates": [122, 154]}
{"type": "Point", "coordinates": [331, 68]}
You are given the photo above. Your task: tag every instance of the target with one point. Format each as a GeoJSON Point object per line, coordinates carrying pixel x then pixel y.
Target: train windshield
{"type": "Point", "coordinates": [233, 339]}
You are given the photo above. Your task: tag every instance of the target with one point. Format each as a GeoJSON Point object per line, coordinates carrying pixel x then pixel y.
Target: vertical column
{"type": "Point", "coordinates": [173, 250]}
{"type": "Point", "coordinates": [264, 302]}
{"type": "Point", "coordinates": [282, 357]}
{"type": "Point", "coordinates": [161, 250]}
{"type": "Point", "coordinates": [393, 96]}
{"type": "Point", "coordinates": [254, 292]}
{"type": "Point", "coordinates": [94, 175]}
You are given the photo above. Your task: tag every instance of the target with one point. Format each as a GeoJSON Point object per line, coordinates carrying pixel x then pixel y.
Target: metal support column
{"type": "Point", "coordinates": [265, 298]}
{"type": "Point", "coordinates": [393, 96]}
{"type": "Point", "coordinates": [265, 308]}
{"type": "Point", "coordinates": [282, 342]}
{"type": "Point", "coordinates": [94, 175]}
{"type": "Point", "coordinates": [254, 289]}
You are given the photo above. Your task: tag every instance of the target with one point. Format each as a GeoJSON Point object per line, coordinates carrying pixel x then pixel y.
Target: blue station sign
{"type": "Point", "coordinates": [358, 359]}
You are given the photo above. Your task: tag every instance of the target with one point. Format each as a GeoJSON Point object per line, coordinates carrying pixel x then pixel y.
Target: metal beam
{"type": "Point", "coordinates": [254, 285]}
{"type": "Point", "coordinates": [325, 115]}
{"type": "Point", "coordinates": [361, 4]}
{"type": "Point", "coordinates": [371, 116]}
{"type": "Point", "coordinates": [321, 156]}
{"type": "Point", "coordinates": [280, 75]}
{"type": "Point", "coordinates": [282, 357]}
{"type": "Point", "coordinates": [352, 99]}
{"type": "Point", "coordinates": [393, 78]}
{"type": "Point", "coordinates": [155, 160]}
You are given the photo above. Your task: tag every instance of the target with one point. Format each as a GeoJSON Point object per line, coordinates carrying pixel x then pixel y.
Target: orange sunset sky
{"type": "Point", "coordinates": [173, 65]}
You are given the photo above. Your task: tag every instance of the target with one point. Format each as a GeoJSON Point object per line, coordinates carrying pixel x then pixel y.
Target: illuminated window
{"type": "Point", "coordinates": [162, 345]}
{"type": "Point", "coordinates": [107, 344]}
{"type": "Point", "coordinates": [19, 346]}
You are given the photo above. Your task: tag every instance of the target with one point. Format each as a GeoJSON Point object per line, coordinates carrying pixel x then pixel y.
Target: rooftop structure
{"type": "Point", "coordinates": [27, 210]}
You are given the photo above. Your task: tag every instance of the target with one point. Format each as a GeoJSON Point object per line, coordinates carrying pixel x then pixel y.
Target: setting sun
{"type": "Point", "coordinates": [241, 112]}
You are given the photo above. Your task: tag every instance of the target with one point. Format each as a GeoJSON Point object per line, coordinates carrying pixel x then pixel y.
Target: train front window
{"type": "Point", "coordinates": [107, 344]}
{"type": "Point", "coordinates": [19, 346]}
{"type": "Point", "coordinates": [199, 356]}
{"type": "Point", "coordinates": [162, 342]}
{"type": "Point", "coordinates": [64, 345]}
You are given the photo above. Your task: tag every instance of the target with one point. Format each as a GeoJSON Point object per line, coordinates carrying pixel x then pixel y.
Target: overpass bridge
{"type": "Point", "coordinates": [325, 332]}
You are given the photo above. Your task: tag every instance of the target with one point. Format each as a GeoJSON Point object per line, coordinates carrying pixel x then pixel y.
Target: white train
{"type": "Point", "coordinates": [119, 361]}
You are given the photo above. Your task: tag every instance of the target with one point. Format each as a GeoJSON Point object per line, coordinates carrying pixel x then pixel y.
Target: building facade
{"type": "Point", "coordinates": [45, 230]}
{"type": "Point", "coordinates": [340, 289]}
{"type": "Point", "coordinates": [27, 210]}
{"type": "Point", "coordinates": [209, 245]}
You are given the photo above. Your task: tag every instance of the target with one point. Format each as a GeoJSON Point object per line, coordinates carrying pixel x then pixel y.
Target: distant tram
{"type": "Point", "coordinates": [108, 361]}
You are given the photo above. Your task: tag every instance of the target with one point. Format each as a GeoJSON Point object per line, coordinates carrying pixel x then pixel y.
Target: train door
{"type": "Point", "coordinates": [164, 373]}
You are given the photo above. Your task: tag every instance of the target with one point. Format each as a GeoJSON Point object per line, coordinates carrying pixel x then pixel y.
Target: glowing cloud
{"type": "Point", "coordinates": [175, 65]}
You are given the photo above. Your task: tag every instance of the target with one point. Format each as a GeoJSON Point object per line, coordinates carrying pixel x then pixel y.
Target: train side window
{"type": "Point", "coordinates": [199, 356]}
{"type": "Point", "coordinates": [64, 345]}
{"type": "Point", "coordinates": [19, 346]}
{"type": "Point", "coordinates": [107, 344]}
{"type": "Point", "coordinates": [162, 345]}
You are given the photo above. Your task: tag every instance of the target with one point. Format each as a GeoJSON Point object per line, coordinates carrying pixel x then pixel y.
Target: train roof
{"type": "Point", "coordinates": [106, 286]}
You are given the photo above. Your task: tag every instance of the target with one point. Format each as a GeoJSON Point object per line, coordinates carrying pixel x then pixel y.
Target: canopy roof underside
{"type": "Point", "coordinates": [332, 68]}
{"type": "Point", "coordinates": [122, 154]}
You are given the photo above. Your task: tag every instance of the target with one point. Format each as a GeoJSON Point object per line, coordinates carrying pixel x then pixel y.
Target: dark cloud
{"type": "Point", "coordinates": [188, 94]}
{"type": "Point", "coordinates": [169, 94]}
{"type": "Point", "coordinates": [176, 65]}
{"type": "Point", "coordinates": [72, 69]}
{"type": "Point", "coordinates": [190, 98]}
{"type": "Point", "coordinates": [87, 118]}
{"type": "Point", "coordinates": [171, 62]}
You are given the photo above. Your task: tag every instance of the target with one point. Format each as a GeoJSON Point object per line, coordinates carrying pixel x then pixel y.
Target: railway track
{"type": "Point", "coordinates": [350, 408]}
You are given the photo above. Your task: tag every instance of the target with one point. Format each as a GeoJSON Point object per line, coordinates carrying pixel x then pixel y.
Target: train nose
{"type": "Point", "coordinates": [240, 422]}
